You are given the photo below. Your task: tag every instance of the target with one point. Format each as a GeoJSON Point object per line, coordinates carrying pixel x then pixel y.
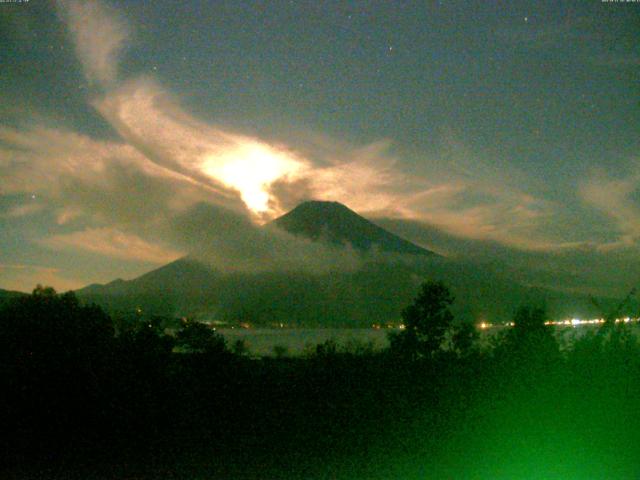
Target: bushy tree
{"type": "Point", "coordinates": [426, 322]}
{"type": "Point", "coordinates": [530, 341]}
{"type": "Point", "coordinates": [55, 358]}
{"type": "Point", "coordinates": [198, 337]}
{"type": "Point", "coordinates": [464, 338]}
{"type": "Point", "coordinates": [326, 349]}
{"type": "Point", "coordinates": [240, 348]}
{"type": "Point", "coordinates": [280, 351]}
{"type": "Point", "coordinates": [146, 343]}
{"type": "Point", "coordinates": [53, 332]}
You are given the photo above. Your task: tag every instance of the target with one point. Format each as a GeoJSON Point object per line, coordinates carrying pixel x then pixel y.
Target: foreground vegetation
{"type": "Point", "coordinates": [85, 397]}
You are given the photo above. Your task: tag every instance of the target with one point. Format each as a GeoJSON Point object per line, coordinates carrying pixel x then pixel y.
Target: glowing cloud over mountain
{"type": "Point", "coordinates": [250, 168]}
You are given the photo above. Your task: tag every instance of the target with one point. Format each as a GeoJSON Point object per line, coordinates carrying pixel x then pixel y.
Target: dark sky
{"type": "Point", "coordinates": [501, 132]}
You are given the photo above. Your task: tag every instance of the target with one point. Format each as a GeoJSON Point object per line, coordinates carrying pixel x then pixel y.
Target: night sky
{"type": "Point", "coordinates": [504, 133]}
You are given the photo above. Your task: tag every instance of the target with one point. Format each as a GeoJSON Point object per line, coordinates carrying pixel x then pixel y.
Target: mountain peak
{"type": "Point", "coordinates": [321, 210]}
{"type": "Point", "coordinates": [336, 223]}
{"type": "Point", "coordinates": [322, 204]}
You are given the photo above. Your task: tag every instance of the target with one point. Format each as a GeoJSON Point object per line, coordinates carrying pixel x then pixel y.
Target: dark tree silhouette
{"type": "Point", "coordinates": [198, 337]}
{"type": "Point", "coordinates": [531, 341]}
{"type": "Point", "coordinates": [426, 322]}
{"type": "Point", "coordinates": [280, 351]}
{"type": "Point", "coordinates": [326, 349]}
{"type": "Point", "coordinates": [46, 330]}
{"type": "Point", "coordinates": [240, 347]}
{"type": "Point", "coordinates": [54, 356]}
{"type": "Point", "coordinates": [464, 338]}
{"type": "Point", "coordinates": [146, 343]}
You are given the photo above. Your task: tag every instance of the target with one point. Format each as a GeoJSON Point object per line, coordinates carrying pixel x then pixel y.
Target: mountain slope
{"type": "Point", "coordinates": [376, 293]}
{"type": "Point", "coordinates": [8, 295]}
{"type": "Point", "coordinates": [337, 224]}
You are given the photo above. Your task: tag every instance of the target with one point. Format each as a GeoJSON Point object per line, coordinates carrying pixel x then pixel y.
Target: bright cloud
{"type": "Point", "coordinates": [114, 244]}
{"type": "Point", "coordinates": [366, 178]}
{"type": "Point", "coordinates": [99, 36]}
{"type": "Point", "coordinates": [21, 276]}
{"type": "Point", "coordinates": [125, 195]}
{"type": "Point", "coordinates": [251, 168]}
{"type": "Point", "coordinates": [613, 197]}
{"type": "Point", "coordinates": [146, 117]}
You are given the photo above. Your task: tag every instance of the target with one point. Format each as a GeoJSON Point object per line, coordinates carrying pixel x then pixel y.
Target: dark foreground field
{"type": "Point", "coordinates": [79, 402]}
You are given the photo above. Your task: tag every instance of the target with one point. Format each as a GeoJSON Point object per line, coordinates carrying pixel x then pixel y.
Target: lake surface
{"type": "Point", "coordinates": [297, 341]}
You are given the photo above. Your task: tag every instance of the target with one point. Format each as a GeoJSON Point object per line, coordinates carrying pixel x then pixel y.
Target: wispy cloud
{"type": "Point", "coordinates": [582, 267]}
{"type": "Point", "coordinates": [614, 197]}
{"type": "Point", "coordinates": [108, 181]}
{"type": "Point", "coordinates": [230, 242]}
{"type": "Point", "coordinates": [508, 217]}
{"type": "Point", "coordinates": [169, 161]}
{"type": "Point", "coordinates": [128, 196]}
{"type": "Point", "coordinates": [23, 210]}
{"type": "Point", "coordinates": [113, 243]}
{"type": "Point", "coordinates": [226, 162]}
{"type": "Point", "coordinates": [23, 276]}
{"type": "Point", "coordinates": [99, 35]}
{"type": "Point", "coordinates": [269, 178]}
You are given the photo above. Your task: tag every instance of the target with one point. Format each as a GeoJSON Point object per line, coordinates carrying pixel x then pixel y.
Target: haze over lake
{"type": "Point", "coordinates": [302, 341]}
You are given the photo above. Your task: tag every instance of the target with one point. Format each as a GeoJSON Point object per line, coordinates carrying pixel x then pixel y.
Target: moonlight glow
{"type": "Point", "coordinates": [251, 168]}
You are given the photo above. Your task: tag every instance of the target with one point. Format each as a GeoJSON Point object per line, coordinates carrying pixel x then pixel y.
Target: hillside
{"type": "Point", "coordinates": [374, 293]}
{"type": "Point", "coordinates": [333, 222]}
